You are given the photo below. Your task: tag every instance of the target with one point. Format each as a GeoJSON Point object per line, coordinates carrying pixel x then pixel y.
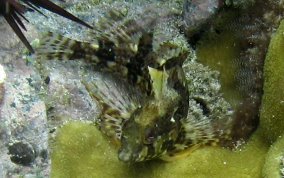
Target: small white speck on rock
{"type": "Point", "coordinates": [2, 74]}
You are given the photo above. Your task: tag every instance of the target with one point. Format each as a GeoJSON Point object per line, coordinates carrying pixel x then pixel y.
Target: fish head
{"type": "Point", "coordinates": [149, 133]}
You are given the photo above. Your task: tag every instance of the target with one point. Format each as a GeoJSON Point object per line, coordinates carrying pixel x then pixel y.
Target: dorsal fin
{"type": "Point", "coordinates": [120, 45]}
{"type": "Point", "coordinates": [54, 46]}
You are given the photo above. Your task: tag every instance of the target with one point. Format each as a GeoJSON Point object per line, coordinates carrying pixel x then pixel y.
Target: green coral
{"type": "Point", "coordinates": [76, 152]}
{"type": "Point", "coordinates": [219, 49]}
{"type": "Point", "coordinates": [272, 113]}
{"type": "Point", "coordinates": [220, 54]}
{"type": "Point", "coordinates": [82, 151]}
{"type": "Point", "coordinates": [272, 164]}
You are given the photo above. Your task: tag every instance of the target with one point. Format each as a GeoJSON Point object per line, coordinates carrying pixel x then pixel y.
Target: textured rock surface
{"type": "Point", "coordinates": [65, 96]}
{"type": "Point", "coordinates": [196, 13]}
{"type": "Point", "coordinates": [2, 81]}
{"type": "Point", "coordinates": [240, 3]}
{"type": "Point", "coordinates": [31, 96]}
{"type": "Point", "coordinates": [23, 131]}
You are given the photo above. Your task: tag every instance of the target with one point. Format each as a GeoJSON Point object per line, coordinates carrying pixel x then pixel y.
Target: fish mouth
{"type": "Point", "coordinates": [125, 156]}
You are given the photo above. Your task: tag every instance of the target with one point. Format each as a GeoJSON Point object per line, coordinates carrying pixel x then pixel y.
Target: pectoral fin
{"type": "Point", "coordinates": [117, 103]}
{"type": "Point", "coordinates": [172, 156]}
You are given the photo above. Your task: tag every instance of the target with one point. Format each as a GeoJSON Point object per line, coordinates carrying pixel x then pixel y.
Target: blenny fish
{"type": "Point", "coordinates": [151, 119]}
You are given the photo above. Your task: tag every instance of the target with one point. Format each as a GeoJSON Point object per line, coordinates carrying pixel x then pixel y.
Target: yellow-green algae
{"type": "Point", "coordinates": [220, 51]}
{"type": "Point", "coordinates": [218, 54]}
{"type": "Point", "coordinates": [81, 151]}
{"type": "Point", "coordinates": [272, 113]}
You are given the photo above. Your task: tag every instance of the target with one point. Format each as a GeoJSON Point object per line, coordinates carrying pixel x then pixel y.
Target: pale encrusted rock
{"type": "Point", "coordinates": [32, 94]}
{"type": "Point", "coordinates": [197, 13]}
{"type": "Point", "coordinates": [22, 112]}
{"type": "Point", "coordinates": [2, 80]}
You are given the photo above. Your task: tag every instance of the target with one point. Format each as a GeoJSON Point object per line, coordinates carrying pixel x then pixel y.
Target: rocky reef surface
{"type": "Point", "coordinates": [46, 111]}
{"type": "Point", "coordinates": [29, 112]}
{"type": "Point", "coordinates": [23, 126]}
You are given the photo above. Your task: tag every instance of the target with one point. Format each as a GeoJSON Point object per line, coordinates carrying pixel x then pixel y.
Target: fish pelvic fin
{"type": "Point", "coordinates": [170, 156]}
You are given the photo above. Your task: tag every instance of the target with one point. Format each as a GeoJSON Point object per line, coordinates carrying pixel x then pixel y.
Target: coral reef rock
{"type": "Point", "coordinates": [228, 42]}
{"type": "Point", "coordinates": [2, 80]}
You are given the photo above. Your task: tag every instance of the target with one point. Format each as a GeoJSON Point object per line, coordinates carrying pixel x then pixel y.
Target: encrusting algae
{"type": "Point", "coordinates": [152, 112]}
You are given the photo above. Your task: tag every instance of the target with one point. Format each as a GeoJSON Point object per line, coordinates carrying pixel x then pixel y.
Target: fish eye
{"type": "Point", "coordinates": [149, 136]}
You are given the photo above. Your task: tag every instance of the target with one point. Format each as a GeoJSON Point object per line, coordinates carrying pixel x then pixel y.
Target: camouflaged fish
{"type": "Point", "coordinates": [150, 120]}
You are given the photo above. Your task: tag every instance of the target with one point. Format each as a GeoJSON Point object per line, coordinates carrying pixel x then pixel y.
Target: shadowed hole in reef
{"type": "Point", "coordinates": [22, 153]}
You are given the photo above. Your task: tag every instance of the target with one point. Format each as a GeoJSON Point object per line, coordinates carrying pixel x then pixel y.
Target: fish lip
{"type": "Point", "coordinates": [125, 156]}
{"type": "Point", "coordinates": [128, 156]}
